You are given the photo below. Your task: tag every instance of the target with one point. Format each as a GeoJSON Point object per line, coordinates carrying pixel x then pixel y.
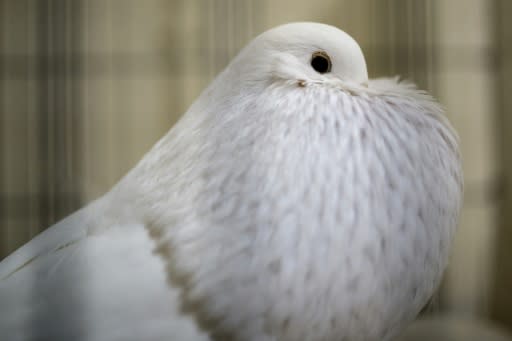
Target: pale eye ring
{"type": "Point", "coordinates": [321, 62]}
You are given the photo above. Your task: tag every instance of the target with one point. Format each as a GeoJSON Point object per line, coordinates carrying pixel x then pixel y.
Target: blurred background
{"type": "Point", "coordinates": [88, 86]}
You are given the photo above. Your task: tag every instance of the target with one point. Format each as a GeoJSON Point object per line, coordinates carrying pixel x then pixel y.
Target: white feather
{"type": "Point", "coordinates": [69, 284]}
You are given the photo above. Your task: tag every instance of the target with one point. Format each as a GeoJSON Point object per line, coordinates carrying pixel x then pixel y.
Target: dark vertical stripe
{"type": "Point", "coordinates": [76, 106]}
{"type": "Point", "coordinates": [501, 300]}
{"type": "Point", "coordinates": [3, 109]}
{"type": "Point", "coordinates": [57, 115]}
{"type": "Point", "coordinates": [42, 101]}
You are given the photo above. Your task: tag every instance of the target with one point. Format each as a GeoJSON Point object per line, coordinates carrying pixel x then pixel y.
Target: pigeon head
{"type": "Point", "coordinates": [304, 53]}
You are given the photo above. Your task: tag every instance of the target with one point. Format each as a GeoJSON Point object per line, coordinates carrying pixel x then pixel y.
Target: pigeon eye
{"type": "Point", "coordinates": [321, 62]}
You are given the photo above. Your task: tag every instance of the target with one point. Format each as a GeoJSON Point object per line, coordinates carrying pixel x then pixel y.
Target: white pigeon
{"type": "Point", "coordinates": [295, 200]}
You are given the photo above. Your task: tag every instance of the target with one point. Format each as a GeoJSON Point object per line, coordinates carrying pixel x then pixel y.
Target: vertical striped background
{"type": "Point", "coordinates": [87, 86]}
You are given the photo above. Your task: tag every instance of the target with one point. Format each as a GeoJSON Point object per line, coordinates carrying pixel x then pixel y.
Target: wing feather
{"type": "Point", "coordinates": [69, 284]}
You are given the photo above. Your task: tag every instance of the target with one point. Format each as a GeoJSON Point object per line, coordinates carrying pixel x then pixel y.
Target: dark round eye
{"type": "Point", "coordinates": [321, 62]}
